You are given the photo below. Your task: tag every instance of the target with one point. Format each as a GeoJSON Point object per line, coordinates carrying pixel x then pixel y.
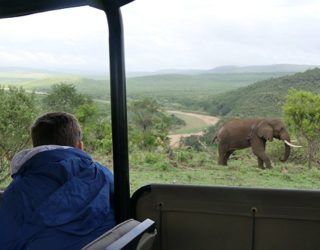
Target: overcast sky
{"type": "Point", "coordinates": [168, 34]}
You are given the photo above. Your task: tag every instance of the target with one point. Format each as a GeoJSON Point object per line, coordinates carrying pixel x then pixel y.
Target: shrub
{"type": "Point", "coordinates": [18, 110]}
{"type": "Point", "coordinates": [302, 113]}
{"type": "Point", "coordinates": [152, 158]}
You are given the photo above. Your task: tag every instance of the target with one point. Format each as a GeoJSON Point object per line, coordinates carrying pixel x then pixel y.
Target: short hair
{"type": "Point", "coordinates": [56, 128]}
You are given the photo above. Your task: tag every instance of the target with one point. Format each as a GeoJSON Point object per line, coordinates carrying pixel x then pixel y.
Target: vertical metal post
{"type": "Point", "coordinates": [119, 114]}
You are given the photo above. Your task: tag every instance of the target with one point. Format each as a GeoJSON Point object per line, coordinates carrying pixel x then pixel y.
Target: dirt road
{"type": "Point", "coordinates": [209, 120]}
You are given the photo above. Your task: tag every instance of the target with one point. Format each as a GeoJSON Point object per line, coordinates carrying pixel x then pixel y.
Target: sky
{"type": "Point", "coordinates": [167, 34]}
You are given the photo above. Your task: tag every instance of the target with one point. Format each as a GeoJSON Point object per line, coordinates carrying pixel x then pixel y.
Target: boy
{"type": "Point", "coordinates": [59, 198]}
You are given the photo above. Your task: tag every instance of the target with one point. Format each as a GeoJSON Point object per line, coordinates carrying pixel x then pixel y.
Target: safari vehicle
{"type": "Point", "coordinates": [188, 216]}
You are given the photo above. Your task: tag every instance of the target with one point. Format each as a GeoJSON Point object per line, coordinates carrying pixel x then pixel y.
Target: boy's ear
{"type": "Point", "coordinates": [80, 145]}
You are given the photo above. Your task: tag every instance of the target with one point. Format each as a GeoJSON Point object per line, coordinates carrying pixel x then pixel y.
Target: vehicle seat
{"type": "Point", "coordinates": [130, 234]}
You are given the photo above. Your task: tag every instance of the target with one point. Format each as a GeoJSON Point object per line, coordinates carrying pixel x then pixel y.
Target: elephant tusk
{"type": "Point", "coordinates": [291, 145]}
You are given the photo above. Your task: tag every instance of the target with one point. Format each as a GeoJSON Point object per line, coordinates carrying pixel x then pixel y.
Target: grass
{"type": "Point", "coordinates": [240, 174]}
{"type": "Point", "coordinates": [200, 168]}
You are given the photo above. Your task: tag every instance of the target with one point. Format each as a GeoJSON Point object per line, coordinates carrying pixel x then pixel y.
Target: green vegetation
{"type": "Point", "coordinates": [96, 129]}
{"type": "Point", "coordinates": [150, 126]}
{"type": "Point", "coordinates": [238, 174]}
{"type": "Point", "coordinates": [263, 68]}
{"type": "Point", "coordinates": [200, 168]}
{"type": "Point", "coordinates": [98, 89]}
{"type": "Point", "coordinates": [95, 125]}
{"type": "Point", "coordinates": [302, 113]}
{"type": "Point", "coordinates": [178, 91]}
{"type": "Point", "coordinates": [152, 160]}
{"type": "Point", "coordinates": [264, 98]}
{"type": "Point", "coordinates": [18, 110]}
{"type": "Point", "coordinates": [162, 85]}
{"type": "Point", "coordinates": [64, 97]}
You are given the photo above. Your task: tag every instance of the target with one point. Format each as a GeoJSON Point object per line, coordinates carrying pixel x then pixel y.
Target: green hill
{"type": "Point", "coordinates": [263, 68]}
{"type": "Point", "coordinates": [168, 89]}
{"type": "Point", "coordinates": [177, 91]}
{"type": "Point", "coordinates": [205, 83]}
{"type": "Point", "coordinates": [264, 98]}
{"type": "Point", "coordinates": [96, 88]}
{"type": "Point", "coordinates": [187, 92]}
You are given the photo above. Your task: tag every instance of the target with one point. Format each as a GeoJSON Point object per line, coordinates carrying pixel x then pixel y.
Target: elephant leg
{"type": "Point", "coordinates": [223, 151]}
{"type": "Point", "coordinates": [259, 151]}
{"type": "Point", "coordinates": [263, 158]}
{"type": "Point", "coordinates": [260, 163]}
{"type": "Point", "coordinates": [227, 155]}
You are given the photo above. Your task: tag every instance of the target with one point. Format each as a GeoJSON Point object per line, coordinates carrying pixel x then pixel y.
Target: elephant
{"type": "Point", "coordinates": [243, 133]}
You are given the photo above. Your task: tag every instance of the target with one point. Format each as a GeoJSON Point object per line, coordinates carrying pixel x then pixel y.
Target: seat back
{"type": "Point", "coordinates": [199, 217]}
{"type": "Point", "coordinates": [130, 234]}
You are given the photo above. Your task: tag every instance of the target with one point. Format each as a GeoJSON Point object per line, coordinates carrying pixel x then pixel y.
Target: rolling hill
{"type": "Point", "coordinates": [229, 69]}
{"type": "Point", "coordinates": [263, 98]}
{"type": "Point", "coordinates": [166, 88]}
{"type": "Point", "coordinates": [186, 90]}
{"type": "Point", "coordinates": [263, 68]}
{"type": "Point", "coordinates": [98, 89]}
{"type": "Point", "coordinates": [173, 85]}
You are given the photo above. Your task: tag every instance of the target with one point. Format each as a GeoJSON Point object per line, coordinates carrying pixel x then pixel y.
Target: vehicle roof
{"type": "Point", "coordinates": [15, 8]}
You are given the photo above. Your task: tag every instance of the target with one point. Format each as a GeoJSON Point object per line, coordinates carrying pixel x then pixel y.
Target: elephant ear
{"type": "Point", "coordinates": [264, 130]}
{"type": "Point", "coordinates": [276, 124]}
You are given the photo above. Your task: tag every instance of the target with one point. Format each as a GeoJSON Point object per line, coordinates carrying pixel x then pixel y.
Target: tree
{"type": "Point", "coordinates": [144, 112]}
{"type": "Point", "coordinates": [151, 126]}
{"type": "Point", "coordinates": [64, 97]}
{"type": "Point", "coordinates": [96, 130]}
{"type": "Point", "coordinates": [18, 110]}
{"type": "Point", "coordinates": [302, 114]}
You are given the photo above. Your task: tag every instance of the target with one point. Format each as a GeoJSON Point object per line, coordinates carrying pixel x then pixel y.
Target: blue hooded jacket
{"type": "Point", "coordinates": [58, 199]}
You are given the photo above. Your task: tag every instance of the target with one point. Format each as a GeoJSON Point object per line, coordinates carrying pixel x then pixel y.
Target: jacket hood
{"type": "Point", "coordinates": [23, 156]}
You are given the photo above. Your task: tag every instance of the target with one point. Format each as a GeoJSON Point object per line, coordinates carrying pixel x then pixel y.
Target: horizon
{"type": "Point", "coordinates": [225, 69]}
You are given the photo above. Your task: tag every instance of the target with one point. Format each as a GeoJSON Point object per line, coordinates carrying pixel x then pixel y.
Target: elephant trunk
{"type": "Point", "coordinates": [286, 153]}
{"type": "Point", "coordinates": [287, 148]}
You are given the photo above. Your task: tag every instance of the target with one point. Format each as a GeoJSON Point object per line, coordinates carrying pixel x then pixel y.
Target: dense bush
{"type": "Point", "coordinates": [64, 97]}
{"type": "Point", "coordinates": [150, 126]}
{"type": "Point", "coordinates": [18, 111]}
{"type": "Point", "coordinates": [302, 114]}
{"type": "Point", "coordinates": [97, 135]}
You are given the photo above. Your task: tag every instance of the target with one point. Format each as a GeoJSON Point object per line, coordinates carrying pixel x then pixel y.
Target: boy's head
{"type": "Point", "coordinates": [56, 128]}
